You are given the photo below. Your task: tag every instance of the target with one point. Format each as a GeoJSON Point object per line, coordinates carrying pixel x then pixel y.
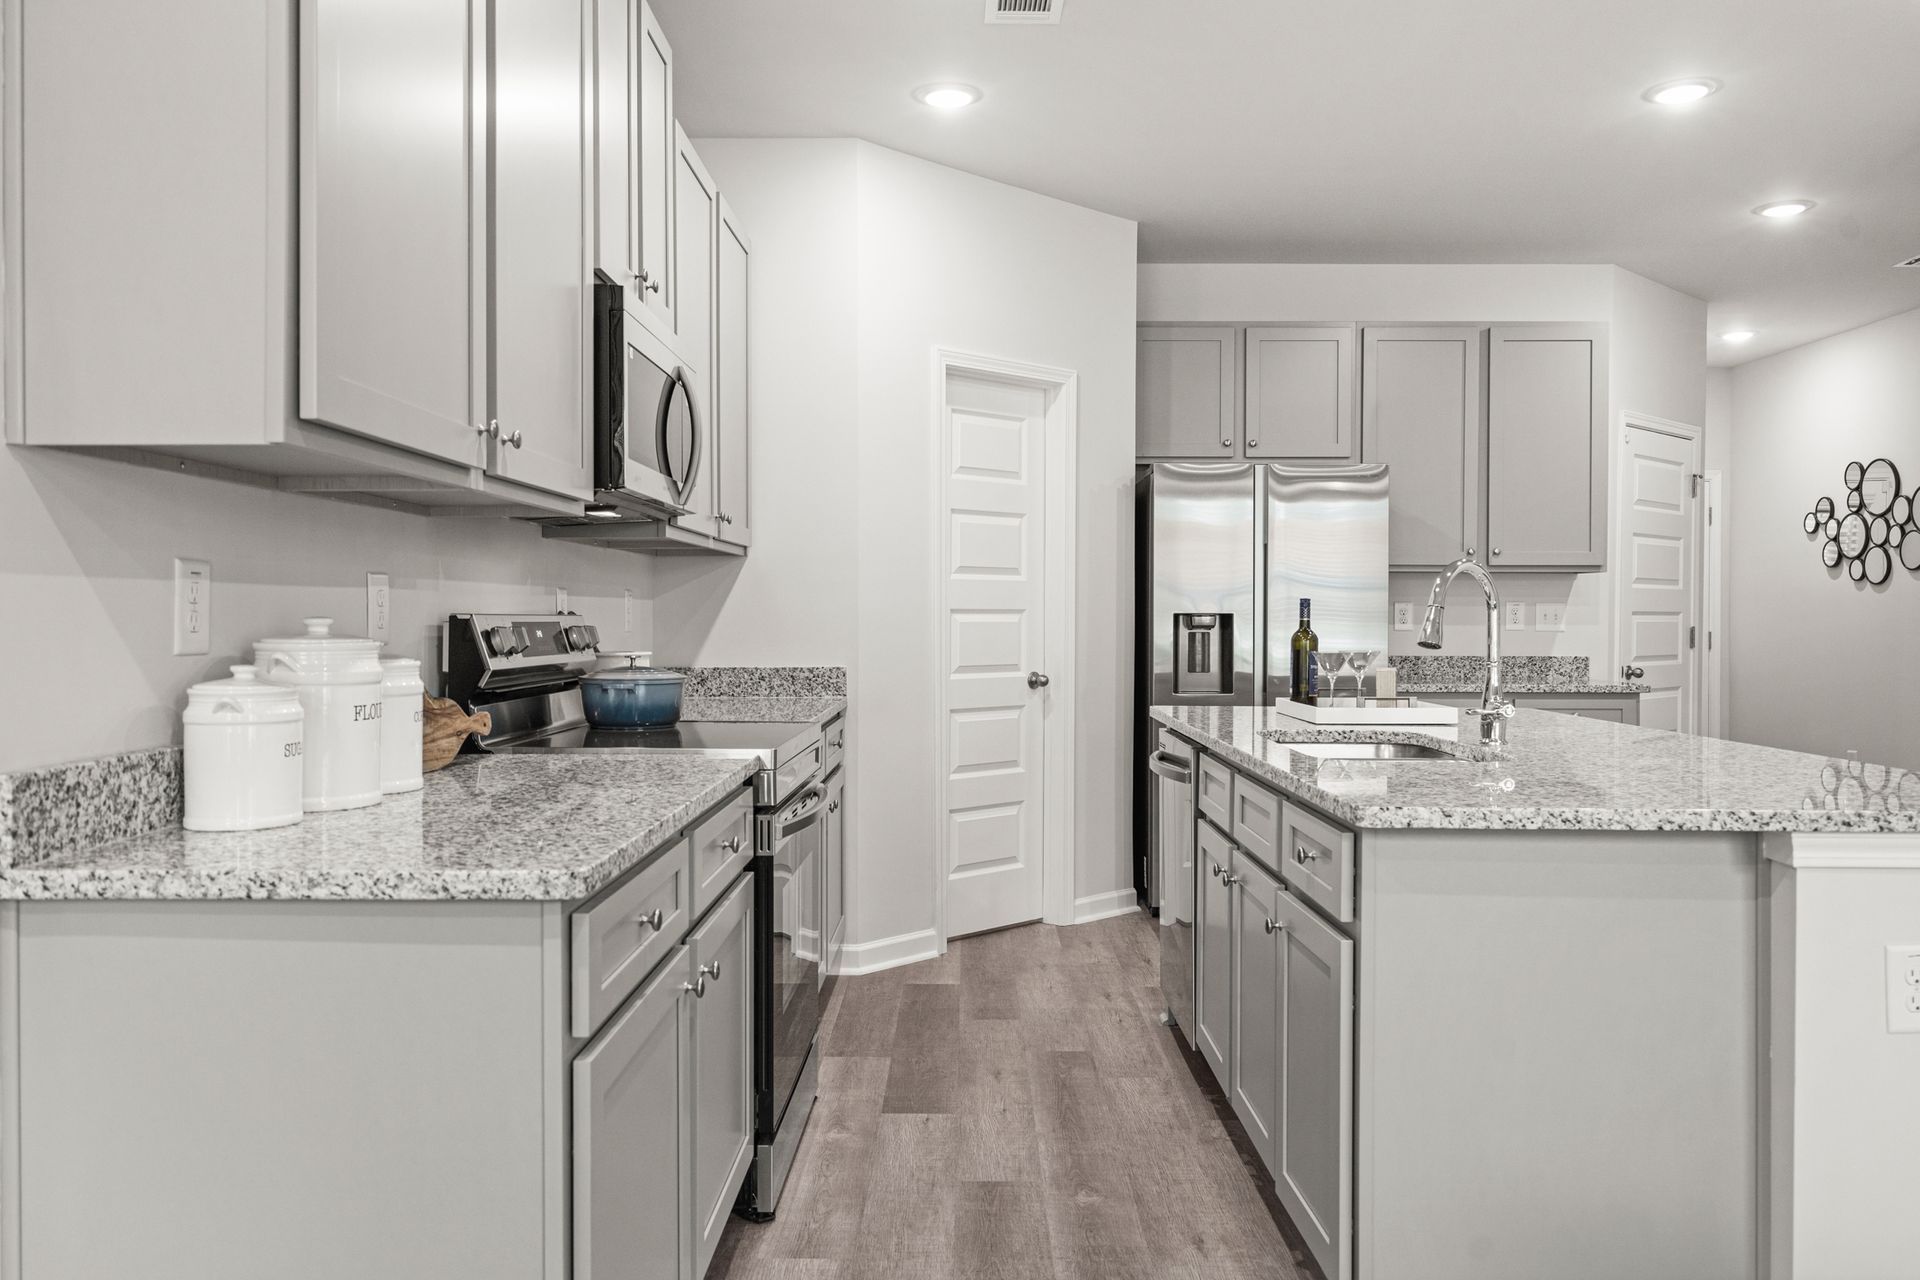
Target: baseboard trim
{"type": "Point", "coordinates": [857, 958]}
{"type": "Point", "coordinates": [1104, 906]}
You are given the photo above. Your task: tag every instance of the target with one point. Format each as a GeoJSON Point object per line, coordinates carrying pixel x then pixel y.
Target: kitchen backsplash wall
{"type": "Point", "coordinates": [86, 573]}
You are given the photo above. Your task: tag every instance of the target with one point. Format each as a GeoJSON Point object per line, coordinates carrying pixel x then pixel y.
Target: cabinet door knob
{"type": "Point", "coordinates": [1303, 855]}
{"type": "Point", "coordinates": [492, 428]}
{"type": "Point", "coordinates": [1226, 442]}
{"type": "Point", "coordinates": [698, 986]}
{"type": "Point", "coordinates": [731, 844]}
{"type": "Point", "coordinates": [1496, 551]}
{"type": "Point", "coordinates": [647, 283]}
{"type": "Point", "coordinates": [516, 439]}
{"type": "Point", "coordinates": [653, 919]}
{"type": "Point", "coordinates": [1231, 879]}
{"type": "Point", "coordinates": [1253, 444]}
{"type": "Point", "coordinates": [1634, 673]}
{"type": "Point", "coordinates": [711, 970]}
{"type": "Point", "coordinates": [1271, 925]}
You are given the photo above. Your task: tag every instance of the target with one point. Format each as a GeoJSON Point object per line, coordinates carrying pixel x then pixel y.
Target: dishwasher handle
{"type": "Point", "coordinates": [1170, 767]}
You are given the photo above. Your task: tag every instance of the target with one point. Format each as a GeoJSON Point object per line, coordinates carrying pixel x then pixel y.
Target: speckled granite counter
{"type": "Point", "coordinates": [544, 827]}
{"type": "Point", "coordinates": [816, 709]}
{"type": "Point", "coordinates": [1521, 687]}
{"type": "Point", "coordinates": [1561, 772]}
{"type": "Point", "coordinates": [1519, 674]}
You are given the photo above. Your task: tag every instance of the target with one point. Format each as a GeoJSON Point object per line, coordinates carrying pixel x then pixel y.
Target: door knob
{"type": "Point", "coordinates": [1634, 673]}
{"type": "Point", "coordinates": [1037, 681]}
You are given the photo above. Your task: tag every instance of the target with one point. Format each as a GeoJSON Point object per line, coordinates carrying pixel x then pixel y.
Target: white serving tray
{"type": "Point", "coordinates": [1414, 711]}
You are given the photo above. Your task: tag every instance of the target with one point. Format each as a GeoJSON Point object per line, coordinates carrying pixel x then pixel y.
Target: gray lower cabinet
{"type": "Point", "coordinates": [631, 1156]}
{"type": "Point", "coordinates": [720, 1066]}
{"type": "Point", "coordinates": [1213, 944]}
{"type": "Point", "coordinates": [1300, 393]}
{"type": "Point", "coordinates": [1255, 1073]}
{"type": "Point", "coordinates": [1421, 415]}
{"type": "Point", "coordinates": [1313, 1120]}
{"type": "Point", "coordinates": [1547, 446]}
{"type": "Point", "coordinates": [1184, 389]}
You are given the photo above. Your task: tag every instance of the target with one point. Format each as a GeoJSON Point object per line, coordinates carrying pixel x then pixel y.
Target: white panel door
{"type": "Point", "coordinates": [1658, 617]}
{"type": "Point", "coordinates": [993, 556]}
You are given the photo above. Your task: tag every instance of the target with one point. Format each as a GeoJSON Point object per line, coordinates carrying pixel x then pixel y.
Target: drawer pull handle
{"type": "Point", "coordinates": [711, 970]}
{"type": "Point", "coordinates": [731, 844]}
{"type": "Point", "coordinates": [1303, 855]}
{"type": "Point", "coordinates": [1271, 925]}
{"type": "Point", "coordinates": [652, 919]}
{"type": "Point", "coordinates": [1230, 879]}
{"type": "Point", "coordinates": [698, 986]}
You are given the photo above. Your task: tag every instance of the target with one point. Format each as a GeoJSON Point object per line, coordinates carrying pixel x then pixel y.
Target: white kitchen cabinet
{"type": "Point", "coordinates": [1313, 1124]}
{"type": "Point", "coordinates": [720, 1066]}
{"type": "Point", "coordinates": [1547, 447]}
{"type": "Point", "coordinates": [1213, 944]}
{"type": "Point", "coordinates": [1421, 413]}
{"type": "Point", "coordinates": [1299, 393]}
{"type": "Point", "coordinates": [696, 219]}
{"type": "Point", "coordinates": [732, 403]}
{"type": "Point", "coordinates": [631, 1155]}
{"type": "Point", "coordinates": [1255, 1075]}
{"type": "Point", "coordinates": [538, 311]}
{"type": "Point", "coordinates": [654, 162]}
{"type": "Point", "coordinates": [1184, 386]}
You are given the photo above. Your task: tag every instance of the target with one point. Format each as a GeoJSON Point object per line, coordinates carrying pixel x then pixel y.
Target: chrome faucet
{"type": "Point", "coordinates": [1494, 711]}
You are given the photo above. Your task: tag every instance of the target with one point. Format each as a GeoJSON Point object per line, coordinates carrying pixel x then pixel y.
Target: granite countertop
{"type": "Point", "coordinates": [1520, 673]}
{"type": "Point", "coordinates": [763, 710]}
{"type": "Point", "coordinates": [1560, 773]}
{"type": "Point", "coordinates": [1510, 687]}
{"type": "Point", "coordinates": [524, 827]}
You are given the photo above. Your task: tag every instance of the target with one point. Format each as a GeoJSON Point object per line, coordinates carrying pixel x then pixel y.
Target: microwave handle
{"type": "Point", "coordinates": [683, 486]}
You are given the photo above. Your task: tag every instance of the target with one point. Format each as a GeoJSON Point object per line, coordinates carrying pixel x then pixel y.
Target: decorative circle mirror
{"type": "Point", "coordinates": [1877, 531]}
{"type": "Point", "coordinates": [1811, 523]}
{"type": "Point", "coordinates": [1910, 553]}
{"type": "Point", "coordinates": [1879, 487]}
{"type": "Point", "coordinates": [1824, 508]}
{"type": "Point", "coordinates": [1856, 570]}
{"type": "Point", "coordinates": [1896, 534]}
{"type": "Point", "coordinates": [1854, 500]}
{"type": "Point", "coordinates": [1830, 553]}
{"type": "Point", "coordinates": [1853, 474]}
{"type": "Point", "coordinates": [1902, 509]}
{"type": "Point", "coordinates": [1877, 564]}
{"type": "Point", "coordinates": [1853, 536]}
{"type": "Point", "coordinates": [1832, 529]}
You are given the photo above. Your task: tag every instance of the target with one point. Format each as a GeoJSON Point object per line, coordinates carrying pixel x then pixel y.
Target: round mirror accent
{"type": "Point", "coordinates": [1824, 508]}
{"type": "Point", "coordinates": [1853, 536]}
{"type": "Point", "coordinates": [1854, 500]}
{"type": "Point", "coordinates": [1853, 474]}
{"type": "Point", "coordinates": [1811, 523]}
{"type": "Point", "coordinates": [1877, 565]}
{"type": "Point", "coordinates": [1879, 486]}
{"type": "Point", "coordinates": [1877, 531]}
{"type": "Point", "coordinates": [1896, 534]}
{"type": "Point", "coordinates": [1902, 509]}
{"type": "Point", "coordinates": [1830, 553]}
{"type": "Point", "coordinates": [1910, 553]}
{"type": "Point", "coordinates": [1856, 570]}
{"type": "Point", "coordinates": [1832, 528]}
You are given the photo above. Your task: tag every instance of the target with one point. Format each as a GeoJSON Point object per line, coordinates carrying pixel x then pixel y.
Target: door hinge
{"type": "Point", "coordinates": [1691, 634]}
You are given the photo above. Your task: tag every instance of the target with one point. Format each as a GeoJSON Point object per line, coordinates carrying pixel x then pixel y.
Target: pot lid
{"type": "Point", "coordinates": [242, 686]}
{"type": "Point", "coordinates": [633, 672]}
{"type": "Point", "coordinates": [320, 636]}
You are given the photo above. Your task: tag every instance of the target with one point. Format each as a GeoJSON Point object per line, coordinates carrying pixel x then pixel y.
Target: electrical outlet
{"type": "Point", "coordinates": [379, 607]}
{"type": "Point", "coordinates": [1403, 615]}
{"type": "Point", "coordinates": [560, 604]}
{"type": "Point", "coordinates": [1903, 989]}
{"type": "Point", "coordinates": [192, 606]}
{"type": "Point", "coordinates": [1516, 616]}
{"type": "Point", "coordinates": [1550, 617]}
{"type": "Point", "coordinates": [627, 600]}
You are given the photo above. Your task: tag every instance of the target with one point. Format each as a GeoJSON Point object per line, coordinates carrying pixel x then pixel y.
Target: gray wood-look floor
{"type": "Point", "coordinates": [1014, 1110]}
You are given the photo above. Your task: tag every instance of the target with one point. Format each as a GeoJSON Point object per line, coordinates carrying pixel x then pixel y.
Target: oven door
{"type": "Point", "coordinates": [795, 843]}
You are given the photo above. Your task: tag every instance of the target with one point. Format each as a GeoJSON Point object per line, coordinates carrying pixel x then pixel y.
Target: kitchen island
{"type": "Point", "coordinates": [1608, 1001]}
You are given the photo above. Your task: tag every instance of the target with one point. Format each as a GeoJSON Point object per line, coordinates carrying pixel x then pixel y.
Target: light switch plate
{"type": "Point", "coordinates": [1403, 615]}
{"type": "Point", "coordinates": [379, 607]}
{"type": "Point", "coordinates": [1516, 616]}
{"type": "Point", "coordinates": [192, 606]}
{"type": "Point", "coordinates": [1550, 617]}
{"type": "Point", "coordinates": [1903, 989]}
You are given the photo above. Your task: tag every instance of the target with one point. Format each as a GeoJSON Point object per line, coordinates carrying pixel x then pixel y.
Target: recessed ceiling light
{"type": "Point", "coordinates": [1784, 208]}
{"type": "Point", "coordinates": [1737, 336]}
{"type": "Point", "coordinates": [947, 97]}
{"type": "Point", "coordinates": [1678, 93]}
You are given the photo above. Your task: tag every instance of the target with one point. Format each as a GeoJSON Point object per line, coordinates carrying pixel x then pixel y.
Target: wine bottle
{"type": "Point", "coordinates": [1305, 646]}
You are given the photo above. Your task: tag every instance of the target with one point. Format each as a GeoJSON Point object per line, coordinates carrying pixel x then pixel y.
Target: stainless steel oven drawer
{"type": "Point", "coordinates": [619, 936]}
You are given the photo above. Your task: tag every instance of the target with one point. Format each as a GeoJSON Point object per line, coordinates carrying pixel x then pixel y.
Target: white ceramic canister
{"type": "Point", "coordinates": [244, 761]}
{"type": "Point", "coordinates": [402, 719]}
{"type": "Point", "coordinates": [338, 679]}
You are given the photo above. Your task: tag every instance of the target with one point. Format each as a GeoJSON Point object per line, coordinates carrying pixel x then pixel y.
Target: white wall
{"type": "Point", "coordinates": [865, 262]}
{"type": "Point", "coordinates": [86, 573]}
{"type": "Point", "coordinates": [1820, 663]}
{"type": "Point", "coordinates": [1658, 351]}
{"type": "Point", "coordinates": [1719, 450]}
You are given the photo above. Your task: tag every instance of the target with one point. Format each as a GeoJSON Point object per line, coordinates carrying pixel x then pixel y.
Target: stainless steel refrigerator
{"type": "Point", "coordinates": [1224, 553]}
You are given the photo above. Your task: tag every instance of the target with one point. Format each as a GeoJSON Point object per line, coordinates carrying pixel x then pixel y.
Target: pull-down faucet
{"type": "Point", "coordinates": [1494, 711]}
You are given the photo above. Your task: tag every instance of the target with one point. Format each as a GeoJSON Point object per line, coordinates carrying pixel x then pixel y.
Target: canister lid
{"type": "Point", "coordinates": [244, 695]}
{"type": "Point", "coordinates": [401, 675]}
{"type": "Point", "coordinates": [320, 636]}
{"type": "Point", "coordinates": [318, 657]}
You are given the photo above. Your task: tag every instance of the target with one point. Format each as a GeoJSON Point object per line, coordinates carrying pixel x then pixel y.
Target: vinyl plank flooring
{"type": "Point", "coordinates": [1015, 1111]}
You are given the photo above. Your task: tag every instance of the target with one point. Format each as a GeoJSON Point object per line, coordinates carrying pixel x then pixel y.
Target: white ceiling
{"type": "Point", "coordinates": [1392, 130]}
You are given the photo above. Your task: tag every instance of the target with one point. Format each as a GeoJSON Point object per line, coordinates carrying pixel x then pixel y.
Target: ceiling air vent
{"type": "Point", "coordinates": [1024, 11]}
{"type": "Point", "coordinates": [1910, 262]}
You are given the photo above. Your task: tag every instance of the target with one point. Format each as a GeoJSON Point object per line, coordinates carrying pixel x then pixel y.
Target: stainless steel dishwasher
{"type": "Point", "coordinates": [1172, 764]}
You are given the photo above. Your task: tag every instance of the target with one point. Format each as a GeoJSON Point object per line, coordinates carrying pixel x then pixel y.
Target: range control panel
{"type": "Point", "coordinates": [488, 651]}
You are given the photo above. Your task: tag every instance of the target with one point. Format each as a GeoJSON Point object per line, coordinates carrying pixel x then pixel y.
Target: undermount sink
{"type": "Point", "coordinates": [1370, 751]}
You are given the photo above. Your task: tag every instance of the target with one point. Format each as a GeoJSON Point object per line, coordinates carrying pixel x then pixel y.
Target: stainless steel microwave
{"type": "Point", "coordinates": [646, 442]}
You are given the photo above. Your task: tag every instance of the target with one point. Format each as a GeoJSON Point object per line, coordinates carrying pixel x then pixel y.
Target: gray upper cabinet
{"type": "Point", "coordinates": [1313, 1130]}
{"type": "Point", "coordinates": [731, 399]}
{"type": "Point", "coordinates": [1421, 415]}
{"type": "Point", "coordinates": [721, 1074]}
{"type": "Point", "coordinates": [1300, 393]}
{"type": "Point", "coordinates": [539, 313]}
{"type": "Point", "coordinates": [631, 1159]}
{"type": "Point", "coordinates": [614, 49]}
{"type": "Point", "coordinates": [696, 217]}
{"type": "Point", "coordinates": [653, 171]}
{"type": "Point", "coordinates": [1547, 447]}
{"type": "Point", "coordinates": [389, 215]}
{"type": "Point", "coordinates": [1213, 944]}
{"type": "Point", "coordinates": [1184, 386]}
